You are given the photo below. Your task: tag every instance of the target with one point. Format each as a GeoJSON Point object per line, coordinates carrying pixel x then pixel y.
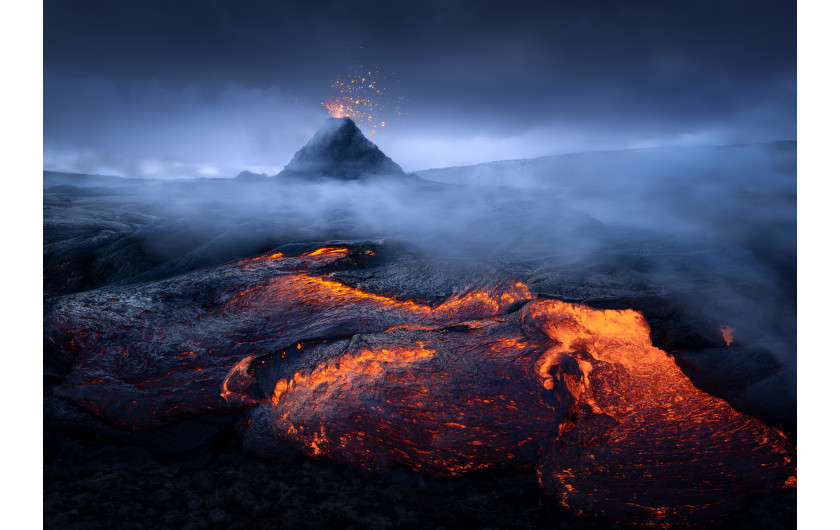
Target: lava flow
{"type": "Point", "coordinates": [488, 378]}
{"type": "Point", "coordinates": [646, 445]}
{"type": "Point", "coordinates": [442, 401]}
{"type": "Point", "coordinates": [146, 355]}
{"type": "Point", "coordinates": [611, 424]}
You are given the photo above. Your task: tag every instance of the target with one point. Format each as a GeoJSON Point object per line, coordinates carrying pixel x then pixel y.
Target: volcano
{"type": "Point", "coordinates": [340, 151]}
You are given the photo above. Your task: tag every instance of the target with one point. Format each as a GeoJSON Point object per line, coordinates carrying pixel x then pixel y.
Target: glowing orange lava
{"type": "Point", "coordinates": [726, 331]}
{"type": "Point", "coordinates": [421, 398]}
{"type": "Point", "coordinates": [641, 424]}
{"type": "Point", "coordinates": [294, 289]}
{"type": "Point", "coordinates": [234, 376]}
{"type": "Point", "coordinates": [265, 257]}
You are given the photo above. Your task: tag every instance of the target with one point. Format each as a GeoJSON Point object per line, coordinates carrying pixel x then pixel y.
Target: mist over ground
{"type": "Point", "coordinates": [725, 194]}
{"type": "Point", "coordinates": [706, 233]}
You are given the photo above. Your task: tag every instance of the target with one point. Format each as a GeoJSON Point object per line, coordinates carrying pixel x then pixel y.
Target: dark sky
{"type": "Point", "coordinates": [211, 87]}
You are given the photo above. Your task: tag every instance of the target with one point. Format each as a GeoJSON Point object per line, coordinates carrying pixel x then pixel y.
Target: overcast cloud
{"type": "Point", "coordinates": [208, 88]}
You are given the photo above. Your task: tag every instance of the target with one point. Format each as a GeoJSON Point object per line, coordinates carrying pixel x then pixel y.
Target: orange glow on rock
{"type": "Point", "coordinates": [335, 251]}
{"type": "Point", "coordinates": [329, 252]}
{"type": "Point", "coordinates": [295, 289]}
{"type": "Point", "coordinates": [420, 399]}
{"type": "Point", "coordinates": [276, 255]}
{"type": "Point", "coordinates": [235, 378]}
{"type": "Point", "coordinates": [726, 331]}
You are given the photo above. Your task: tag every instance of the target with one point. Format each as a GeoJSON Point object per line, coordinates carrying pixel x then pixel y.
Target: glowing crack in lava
{"type": "Point", "coordinates": [363, 94]}
{"type": "Point", "coordinates": [488, 378]}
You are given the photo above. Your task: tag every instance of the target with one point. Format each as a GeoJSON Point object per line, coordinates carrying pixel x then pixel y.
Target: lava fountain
{"type": "Point", "coordinates": [363, 94]}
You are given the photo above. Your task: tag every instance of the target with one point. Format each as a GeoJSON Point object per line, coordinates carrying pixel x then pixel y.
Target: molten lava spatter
{"type": "Point", "coordinates": [363, 94]}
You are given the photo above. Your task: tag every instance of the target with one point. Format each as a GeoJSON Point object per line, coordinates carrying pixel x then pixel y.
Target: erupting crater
{"type": "Point", "coordinates": [490, 377]}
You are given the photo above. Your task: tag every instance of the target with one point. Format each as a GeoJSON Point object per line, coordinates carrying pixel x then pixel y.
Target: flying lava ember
{"type": "Point", "coordinates": [489, 377]}
{"type": "Point", "coordinates": [363, 94]}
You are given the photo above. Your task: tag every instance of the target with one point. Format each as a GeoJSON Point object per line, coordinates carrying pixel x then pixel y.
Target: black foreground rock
{"type": "Point", "coordinates": [109, 479]}
{"type": "Point", "coordinates": [240, 493]}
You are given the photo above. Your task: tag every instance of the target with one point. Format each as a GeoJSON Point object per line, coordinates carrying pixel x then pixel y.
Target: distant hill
{"type": "Point", "coordinates": [250, 176]}
{"type": "Point", "coordinates": [610, 168]}
{"type": "Point", "coordinates": [81, 180]}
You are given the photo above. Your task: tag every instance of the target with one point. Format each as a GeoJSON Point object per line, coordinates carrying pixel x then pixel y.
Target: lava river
{"type": "Point", "coordinates": [488, 378]}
